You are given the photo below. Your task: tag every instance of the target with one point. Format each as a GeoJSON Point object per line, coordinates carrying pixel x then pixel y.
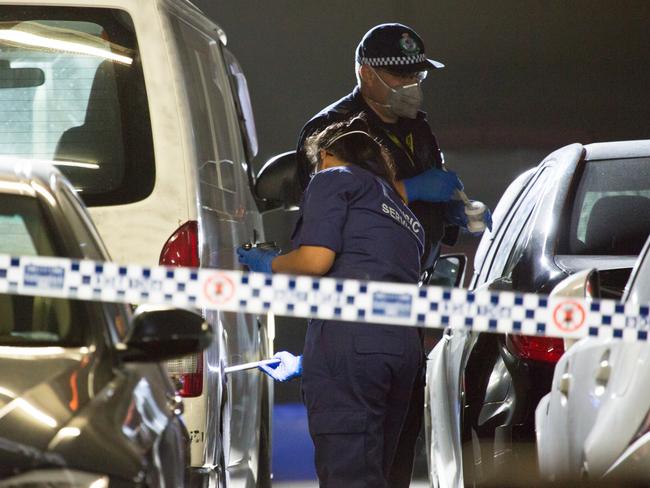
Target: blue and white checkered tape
{"type": "Point", "coordinates": [324, 298]}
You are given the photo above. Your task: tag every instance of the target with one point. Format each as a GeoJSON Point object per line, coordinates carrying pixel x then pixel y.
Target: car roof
{"type": "Point", "coordinates": [617, 150]}
{"type": "Point", "coordinates": [23, 173]}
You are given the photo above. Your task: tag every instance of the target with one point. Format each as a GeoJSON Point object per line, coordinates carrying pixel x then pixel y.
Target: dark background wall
{"type": "Point", "coordinates": [522, 78]}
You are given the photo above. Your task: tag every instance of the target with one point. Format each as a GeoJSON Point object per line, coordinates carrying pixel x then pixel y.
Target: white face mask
{"type": "Point", "coordinates": [404, 101]}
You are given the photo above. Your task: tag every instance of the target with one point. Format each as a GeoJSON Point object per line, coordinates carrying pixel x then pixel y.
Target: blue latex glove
{"type": "Point", "coordinates": [257, 259]}
{"type": "Point", "coordinates": [432, 185]}
{"type": "Point", "coordinates": [487, 218]}
{"type": "Point", "coordinates": [288, 368]}
{"type": "Point", "coordinates": [455, 213]}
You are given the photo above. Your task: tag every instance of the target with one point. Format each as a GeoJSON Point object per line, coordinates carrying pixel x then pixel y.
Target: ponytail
{"type": "Point", "coordinates": [352, 142]}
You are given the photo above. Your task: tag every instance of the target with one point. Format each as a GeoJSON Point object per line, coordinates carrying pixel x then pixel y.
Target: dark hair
{"type": "Point", "coordinates": [351, 141]}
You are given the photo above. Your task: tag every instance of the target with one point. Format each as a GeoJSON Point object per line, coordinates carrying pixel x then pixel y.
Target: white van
{"type": "Point", "coordinates": [144, 109]}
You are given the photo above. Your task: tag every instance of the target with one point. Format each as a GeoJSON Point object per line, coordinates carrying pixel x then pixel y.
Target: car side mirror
{"type": "Point", "coordinates": [449, 271]}
{"type": "Point", "coordinates": [277, 182]}
{"type": "Point", "coordinates": [160, 333]}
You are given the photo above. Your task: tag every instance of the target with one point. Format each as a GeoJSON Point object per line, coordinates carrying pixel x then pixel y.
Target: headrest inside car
{"type": "Point", "coordinates": [618, 225]}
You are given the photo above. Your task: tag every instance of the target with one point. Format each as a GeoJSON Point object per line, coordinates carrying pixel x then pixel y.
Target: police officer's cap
{"type": "Point", "coordinates": [395, 47]}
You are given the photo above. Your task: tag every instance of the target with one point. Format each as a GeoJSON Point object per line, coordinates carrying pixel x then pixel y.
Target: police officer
{"type": "Point", "coordinates": [390, 66]}
{"type": "Point", "coordinates": [356, 378]}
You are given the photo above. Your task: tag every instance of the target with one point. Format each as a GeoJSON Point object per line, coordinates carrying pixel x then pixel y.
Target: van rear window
{"type": "Point", "coordinates": [610, 213]}
{"type": "Point", "coordinates": [72, 91]}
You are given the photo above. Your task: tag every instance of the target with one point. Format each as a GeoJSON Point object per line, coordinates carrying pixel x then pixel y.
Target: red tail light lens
{"type": "Point", "coordinates": [187, 374]}
{"type": "Point", "coordinates": [545, 349]}
{"type": "Point", "coordinates": [182, 248]}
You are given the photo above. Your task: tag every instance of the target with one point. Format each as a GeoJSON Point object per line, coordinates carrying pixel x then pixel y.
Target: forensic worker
{"type": "Point", "coordinates": [356, 378]}
{"type": "Point", "coordinates": [390, 66]}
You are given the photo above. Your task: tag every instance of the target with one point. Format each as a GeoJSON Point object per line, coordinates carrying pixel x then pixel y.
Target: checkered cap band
{"type": "Point", "coordinates": [394, 60]}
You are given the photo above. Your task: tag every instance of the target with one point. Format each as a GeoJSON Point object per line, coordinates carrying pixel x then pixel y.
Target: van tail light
{"type": "Point", "coordinates": [545, 349]}
{"type": "Point", "coordinates": [187, 374]}
{"type": "Point", "coordinates": [182, 249]}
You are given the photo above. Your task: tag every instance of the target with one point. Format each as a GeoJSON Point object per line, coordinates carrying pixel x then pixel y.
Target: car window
{"type": "Point", "coordinates": [220, 154]}
{"type": "Point", "coordinates": [25, 230]}
{"type": "Point", "coordinates": [501, 212]}
{"type": "Point", "coordinates": [610, 214]}
{"type": "Point", "coordinates": [72, 90]}
{"type": "Point", "coordinates": [518, 241]}
{"type": "Point", "coordinates": [22, 230]}
{"type": "Point", "coordinates": [16, 238]}
{"type": "Point", "coordinates": [243, 103]}
{"type": "Point", "coordinates": [512, 228]}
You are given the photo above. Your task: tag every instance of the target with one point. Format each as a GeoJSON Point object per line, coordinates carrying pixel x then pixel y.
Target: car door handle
{"type": "Point", "coordinates": [565, 384]}
{"type": "Point", "coordinates": [603, 372]}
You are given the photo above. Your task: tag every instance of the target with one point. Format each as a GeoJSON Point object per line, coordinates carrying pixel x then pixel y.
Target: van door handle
{"type": "Point", "coordinates": [175, 403]}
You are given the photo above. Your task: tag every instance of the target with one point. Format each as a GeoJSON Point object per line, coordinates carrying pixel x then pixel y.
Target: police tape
{"type": "Point", "coordinates": [324, 298]}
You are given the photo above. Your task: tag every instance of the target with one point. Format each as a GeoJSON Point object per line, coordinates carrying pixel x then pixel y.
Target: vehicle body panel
{"type": "Point", "coordinates": [496, 390]}
{"type": "Point", "coordinates": [56, 402]}
{"type": "Point", "coordinates": [442, 399]}
{"type": "Point", "coordinates": [202, 173]}
{"type": "Point", "coordinates": [597, 408]}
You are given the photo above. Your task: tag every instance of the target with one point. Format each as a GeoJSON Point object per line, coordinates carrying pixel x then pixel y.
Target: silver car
{"type": "Point", "coordinates": [84, 396]}
{"type": "Point", "coordinates": [582, 207]}
{"type": "Point", "coordinates": [595, 422]}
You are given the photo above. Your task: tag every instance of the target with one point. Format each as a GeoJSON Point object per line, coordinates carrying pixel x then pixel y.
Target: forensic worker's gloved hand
{"type": "Point", "coordinates": [487, 218]}
{"type": "Point", "coordinates": [288, 368]}
{"type": "Point", "coordinates": [257, 259]}
{"type": "Point", "coordinates": [432, 185]}
{"type": "Point", "coordinates": [455, 213]}
{"type": "Point", "coordinates": [471, 215]}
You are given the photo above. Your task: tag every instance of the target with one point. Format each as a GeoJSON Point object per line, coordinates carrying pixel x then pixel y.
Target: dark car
{"type": "Point", "coordinates": [84, 399]}
{"type": "Point", "coordinates": [582, 207]}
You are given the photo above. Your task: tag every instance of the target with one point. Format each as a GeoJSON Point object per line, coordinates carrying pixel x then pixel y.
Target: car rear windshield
{"type": "Point", "coordinates": [610, 214]}
{"type": "Point", "coordinates": [25, 320]}
{"type": "Point", "coordinates": [72, 90]}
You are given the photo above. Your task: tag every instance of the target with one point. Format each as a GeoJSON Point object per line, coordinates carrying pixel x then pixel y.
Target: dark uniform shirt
{"type": "Point", "coordinates": [358, 378]}
{"type": "Point", "coordinates": [360, 217]}
{"type": "Point", "coordinates": [411, 143]}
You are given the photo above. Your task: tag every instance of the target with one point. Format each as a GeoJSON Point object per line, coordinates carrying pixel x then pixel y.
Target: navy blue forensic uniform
{"type": "Point", "coordinates": [358, 378]}
{"type": "Point", "coordinates": [414, 148]}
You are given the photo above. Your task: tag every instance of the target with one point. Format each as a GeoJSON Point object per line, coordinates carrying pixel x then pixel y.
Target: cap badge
{"type": "Point", "coordinates": [408, 45]}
